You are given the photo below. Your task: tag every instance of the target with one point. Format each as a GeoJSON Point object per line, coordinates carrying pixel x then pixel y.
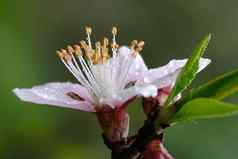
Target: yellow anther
{"type": "Point", "coordinates": [83, 44]}
{"type": "Point", "coordinates": [88, 30]}
{"type": "Point", "coordinates": [114, 30]}
{"type": "Point", "coordinates": [64, 51]}
{"type": "Point", "coordinates": [133, 44]}
{"type": "Point", "coordinates": [67, 57]}
{"type": "Point", "coordinates": [97, 58]}
{"type": "Point", "coordinates": [70, 50]}
{"type": "Point", "coordinates": [138, 50]}
{"type": "Point", "coordinates": [105, 55]}
{"type": "Point", "coordinates": [105, 50]}
{"type": "Point", "coordinates": [60, 54]}
{"type": "Point", "coordinates": [98, 45]}
{"type": "Point", "coordinates": [100, 53]}
{"type": "Point", "coordinates": [89, 55]}
{"type": "Point", "coordinates": [87, 49]}
{"type": "Point", "coordinates": [78, 50]}
{"type": "Point", "coordinates": [141, 44]}
{"type": "Point", "coordinates": [105, 42]}
{"type": "Point", "coordinates": [98, 50]}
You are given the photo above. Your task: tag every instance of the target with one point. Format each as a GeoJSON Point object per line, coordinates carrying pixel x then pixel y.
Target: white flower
{"type": "Point", "coordinates": [104, 78]}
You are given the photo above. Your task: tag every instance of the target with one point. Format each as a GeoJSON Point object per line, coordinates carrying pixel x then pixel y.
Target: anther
{"type": "Point", "coordinates": [70, 50]}
{"type": "Point", "coordinates": [105, 42]}
{"type": "Point", "coordinates": [114, 30]}
{"type": "Point", "coordinates": [60, 54]}
{"type": "Point", "coordinates": [97, 55]}
{"type": "Point", "coordinates": [141, 44]}
{"type": "Point", "coordinates": [105, 49]}
{"type": "Point", "coordinates": [98, 44]}
{"type": "Point", "coordinates": [98, 47]}
{"type": "Point", "coordinates": [133, 44]}
{"type": "Point", "coordinates": [88, 51]}
{"type": "Point", "coordinates": [88, 30]}
{"type": "Point", "coordinates": [78, 50]}
{"type": "Point", "coordinates": [66, 55]}
{"type": "Point", "coordinates": [64, 51]}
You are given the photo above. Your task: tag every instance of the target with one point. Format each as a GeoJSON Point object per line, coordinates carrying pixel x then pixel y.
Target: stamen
{"type": "Point", "coordinates": [60, 54]}
{"type": "Point", "coordinates": [70, 50]}
{"type": "Point", "coordinates": [105, 50]}
{"type": "Point", "coordinates": [89, 32]}
{"type": "Point", "coordinates": [66, 60]}
{"type": "Point", "coordinates": [84, 45]}
{"type": "Point", "coordinates": [67, 57]}
{"type": "Point", "coordinates": [88, 51]}
{"type": "Point", "coordinates": [139, 46]}
{"type": "Point", "coordinates": [98, 47]}
{"type": "Point", "coordinates": [114, 31]}
{"type": "Point", "coordinates": [141, 43]}
{"type": "Point", "coordinates": [133, 44]}
{"type": "Point", "coordinates": [114, 45]}
{"type": "Point", "coordinates": [105, 42]}
{"type": "Point", "coordinates": [64, 51]}
{"type": "Point", "coordinates": [88, 71]}
{"type": "Point", "coordinates": [100, 80]}
{"type": "Point", "coordinates": [78, 50]}
{"type": "Point", "coordinates": [97, 56]}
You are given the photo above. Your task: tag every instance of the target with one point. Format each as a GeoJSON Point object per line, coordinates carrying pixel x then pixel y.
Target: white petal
{"type": "Point", "coordinates": [166, 75]}
{"type": "Point", "coordinates": [129, 93]}
{"type": "Point", "coordinates": [56, 94]}
{"type": "Point", "coordinates": [147, 91]}
{"type": "Point", "coordinates": [137, 67]}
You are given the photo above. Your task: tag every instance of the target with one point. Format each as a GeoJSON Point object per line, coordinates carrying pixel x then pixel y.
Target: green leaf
{"type": "Point", "coordinates": [189, 71]}
{"type": "Point", "coordinates": [203, 108]}
{"type": "Point", "coordinates": [219, 88]}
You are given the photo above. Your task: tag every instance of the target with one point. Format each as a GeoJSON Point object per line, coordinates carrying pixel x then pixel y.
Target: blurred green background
{"type": "Point", "coordinates": [31, 31]}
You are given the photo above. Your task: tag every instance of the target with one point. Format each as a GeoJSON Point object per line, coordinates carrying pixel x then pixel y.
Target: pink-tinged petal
{"type": "Point", "coordinates": [166, 75]}
{"type": "Point", "coordinates": [136, 64]}
{"type": "Point", "coordinates": [128, 94]}
{"type": "Point", "coordinates": [58, 94]}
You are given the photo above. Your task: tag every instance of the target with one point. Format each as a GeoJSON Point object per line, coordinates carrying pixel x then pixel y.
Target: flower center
{"type": "Point", "coordinates": [99, 68]}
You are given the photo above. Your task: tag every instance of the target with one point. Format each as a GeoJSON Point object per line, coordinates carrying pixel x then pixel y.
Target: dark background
{"type": "Point", "coordinates": [31, 31]}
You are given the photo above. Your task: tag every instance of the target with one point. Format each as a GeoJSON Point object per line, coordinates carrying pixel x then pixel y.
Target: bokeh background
{"type": "Point", "coordinates": [31, 31]}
